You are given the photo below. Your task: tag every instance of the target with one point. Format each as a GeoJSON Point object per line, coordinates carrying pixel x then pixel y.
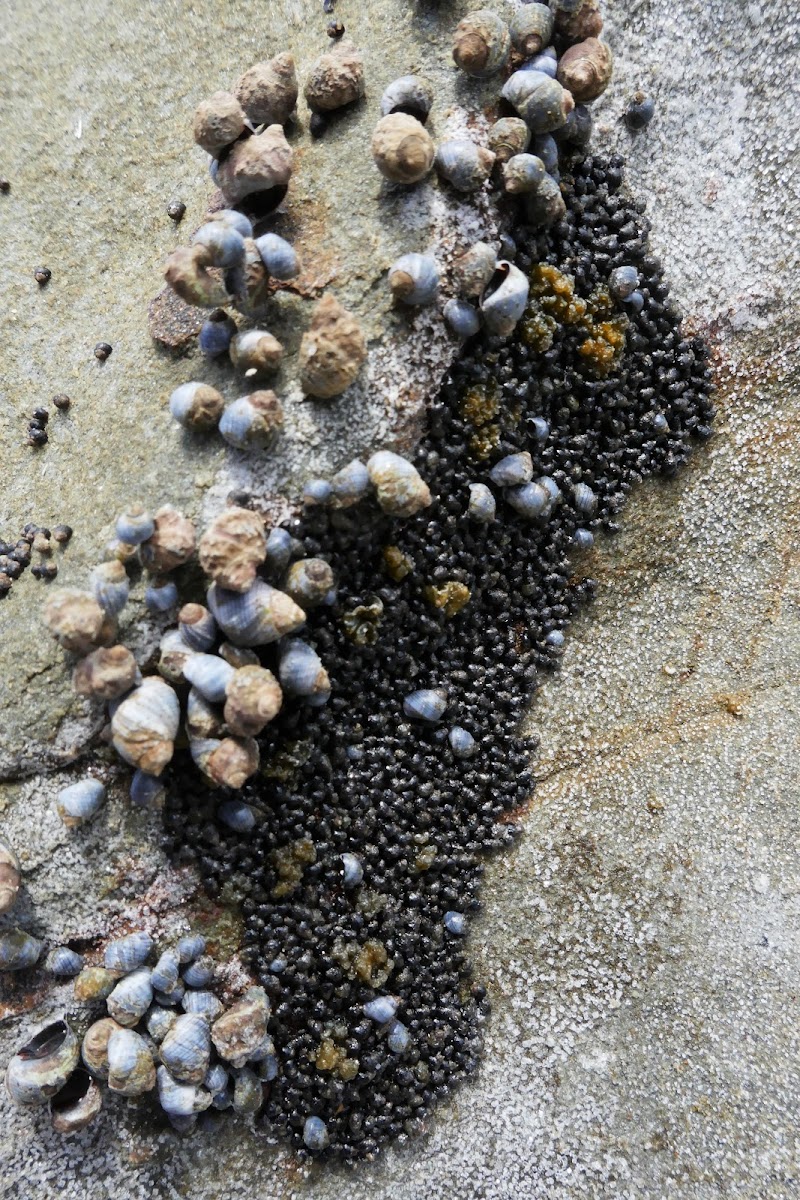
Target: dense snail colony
{"type": "Point", "coordinates": [333, 734]}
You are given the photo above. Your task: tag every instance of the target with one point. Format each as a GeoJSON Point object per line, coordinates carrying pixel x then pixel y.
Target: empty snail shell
{"type": "Point", "coordinates": [196, 406]}
{"type": "Point", "coordinates": [218, 122]}
{"type": "Point", "coordinates": [402, 148]}
{"type": "Point", "coordinates": [171, 544]}
{"type": "Point", "coordinates": [302, 674]}
{"type": "Point", "coordinates": [256, 352]}
{"type": "Point", "coordinates": [180, 1099]}
{"type": "Point", "coordinates": [267, 91]}
{"type": "Point", "coordinates": [110, 586]}
{"type": "Point", "coordinates": [481, 44]}
{"type": "Point", "coordinates": [131, 998]}
{"type": "Point", "coordinates": [197, 627]}
{"type": "Point", "coordinates": [106, 673]}
{"type": "Point", "coordinates": [18, 950]}
{"type": "Point", "coordinates": [523, 173]}
{"type": "Point", "coordinates": [210, 675]}
{"type": "Point", "coordinates": [145, 724]}
{"type": "Point", "coordinates": [474, 268]}
{"type": "Point", "coordinates": [410, 94]}
{"type": "Point", "coordinates": [464, 164]}
{"type": "Point", "coordinates": [585, 70]}
{"type": "Point", "coordinates": [229, 762]}
{"type": "Point", "coordinates": [542, 102]}
{"type": "Point", "coordinates": [335, 79]}
{"type": "Point", "coordinates": [258, 165]}
{"type": "Point", "coordinates": [75, 619]}
{"type": "Point", "coordinates": [507, 137]}
{"type": "Point", "coordinates": [252, 699]}
{"type": "Point", "coordinates": [186, 1049]}
{"type": "Point", "coordinates": [401, 490]}
{"type": "Point", "coordinates": [531, 28]}
{"type": "Point", "coordinates": [240, 1031]}
{"type": "Point", "coordinates": [504, 300]}
{"type": "Point", "coordinates": [462, 318]}
{"type": "Point", "coordinates": [252, 421]}
{"type": "Point", "coordinates": [278, 256]}
{"type": "Point", "coordinates": [414, 279]}
{"type": "Point", "coordinates": [308, 582]}
{"type": "Point", "coordinates": [131, 1069]}
{"type": "Point", "coordinates": [233, 547]}
{"type": "Point", "coordinates": [76, 1104]}
{"type": "Point", "coordinates": [332, 350]}
{"type": "Point", "coordinates": [43, 1065]}
{"type": "Point", "coordinates": [79, 802]}
{"type": "Point", "coordinates": [256, 617]}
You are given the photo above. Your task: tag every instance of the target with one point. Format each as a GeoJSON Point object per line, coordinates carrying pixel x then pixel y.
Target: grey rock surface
{"type": "Point", "coordinates": [641, 943]}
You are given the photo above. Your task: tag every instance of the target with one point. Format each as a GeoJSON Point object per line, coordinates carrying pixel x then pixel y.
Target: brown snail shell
{"type": "Point", "coordinates": [233, 547]}
{"type": "Point", "coordinates": [268, 90]}
{"type": "Point", "coordinates": [332, 349]}
{"type": "Point", "coordinates": [402, 148]}
{"type": "Point", "coordinates": [218, 121]}
{"type": "Point", "coordinates": [253, 698]}
{"type": "Point", "coordinates": [585, 70]}
{"type": "Point", "coordinates": [75, 619]}
{"type": "Point", "coordinates": [336, 79]}
{"type": "Point", "coordinates": [106, 673]}
{"type": "Point", "coordinates": [9, 878]}
{"type": "Point", "coordinates": [171, 543]}
{"type": "Point", "coordinates": [260, 163]}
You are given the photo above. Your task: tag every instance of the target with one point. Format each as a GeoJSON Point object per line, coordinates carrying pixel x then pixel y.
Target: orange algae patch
{"type": "Point", "coordinates": [553, 302]}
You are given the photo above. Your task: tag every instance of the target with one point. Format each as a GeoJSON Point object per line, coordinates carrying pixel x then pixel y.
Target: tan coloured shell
{"type": "Point", "coordinates": [257, 164]}
{"type": "Point", "coordinates": [308, 581]}
{"type": "Point", "coordinates": [336, 78]}
{"type": "Point", "coordinates": [585, 70]}
{"type": "Point", "coordinates": [94, 1049]}
{"type": "Point", "coordinates": [218, 121]}
{"type": "Point", "coordinates": [239, 1032]}
{"type": "Point", "coordinates": [253, 698]}
{"type": "Point", "coordinates": [267, 91]}
{"type": "Point", "coordinates": [105, 673]}
{"type": "Point", "coordinates": [402, 148]}
{"type": "Point", "coordinates": [481, 44]}
{"type": "Point", "coordinates": [172, 543]}
{"type": "Point", "coordinates": [238, 656]}
{"type": "Point", "coordinates": [507, 137]}
{"type": "Point", "coordinates": [229, 762]}
{"type": "Point", "coordinates": [187, 273]}
{"type": "Point", "coordinates": [95, 983]}
{"type": "Point", "coordinates": [76, 1105]}
{"type": "Point", "coordinates": [332, 350]}
{"type": "Point", "coordinates": [577, 26]}
{"type": "Point", "coordinates": [255, 352]}
{"type": "Point", "coordinates": [144, 726]}
{"type": "Point", "coordinates": [233, 547]}
{"type": "Point", "coordinates": [9, 878]}
{"type": "Point", "coordinates": [75, 619]}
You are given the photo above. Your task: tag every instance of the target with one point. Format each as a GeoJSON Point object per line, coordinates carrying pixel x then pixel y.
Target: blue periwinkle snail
{"type": "Point", "coordinates": [191, 947]}
{"type": "Point", "coordinates": [110, 586]}
{"type": "Point", "coordinates": [585, 499]}
{"type": "Point", "coordinates": [545, 206]}
{"type": "Point", "coordinates": [481, 44]}
{"type": "Point", "coordinates": [464, 164]}
{"type": "Point", "coordinates": [426, 704]}
{"type": "Point", "coordinates": [235, 219]}
{"type": "Point", "coordinates": [504, 300]}
{"type": "Point", "coordinates": [542, 102]}
{"type": "Point", "coordinates": [237, 815]}
{"type": "Point", "coordinates": [216, 333]}
{"type": "Point", "coordinates": [513, 469]}
{"type": "Point", "coordinates": [350, 484]}
{"type": "Point", "coordinates": [43, 1065]}
{"type": "Point", "coordinates": [186, 1049]}
{"type": "Point", "coordinates": [128, 952]}
{"type": "Point", "coordinates": [302, 673]}
{"type": "Point", "coordinates": [145, 724]}
{"type": "Point", "coordinates": [623, 281]}
{"type": "Point", "coordinates": [317, 492]}
{"type": "Point", "coordinates": [398, 1038]}
{"type": "Point", "coordinates": [160, 597]}
{"type": "Point", "coordinates": [410, 94]}
{"type": "Point", "coordinates": [523, 173]}
{"type": "Point", "coordinates": [414, 279]}
{"type": "Point", "coordinates": [455, 923]}
{"type": "Point", "coordinates": [315, 1133]}
{"type": "Point", "coordinates": [196, 406]}
{"type": "Point", "coordinates": [546, 62]}
{"type": "Point", "coordinates": [200, 972]}
{"type": "Point", "coordinates": [180, 1099]}
{"type": "Point", "coordinates": [224, 243]}
{"type": "Point", "coordinates": [583, 539]}
{"type": "Point", "coordinates": [462, 318]}
{"type": "Point", "coordinates": [135, 525]}
{"type": "Point", "coordinates": [639, 111]}
{"type": "Point", "coordinates": [64, 962]}
{"type": "Point", "coordinates": [462, 743]}
{"type": "Point", "coordinates": [474, 268]}
{"type": "Point", "coordinates": [210, 674]}
{"type": "Point", "coordinates": [18, 949]}
{"type": "Point", "coordinates": [381, 1009]}
{"type": "Point", "coordinates": [252, 421]}
{"type": "Point", "coordinates": [530, 500]}
{"type": "Point", "coordinates": [79, 802]}
{"type": "Point", "coordinates": [256, 617]}
{"type": "Point", "coordinates": [278, 256]}
{"type": "Point", "coordinates": [482, 504]}
{"type": "Point", "coordinates": [165, 973]}
{"type": "Point", "coordinates": [353, 870]}
{"type": "Point", "coordinates": [131, 1069]}
{"type": "Point", "coordinates": [131, 998]}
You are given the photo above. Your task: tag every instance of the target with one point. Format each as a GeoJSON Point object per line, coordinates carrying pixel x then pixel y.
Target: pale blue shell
{"type": "Point", "coordinates": [504, 301]}
{"type": "Point", "coordinates": [131, 998]}
{"type": "Point", "coordinates": [280, 547]}
{"type": "Point", "coordinates": [186, 1049]}
{"type": "Point", "coordinates": [317, 491]}
{"type": "Point", "coordinates": [512, 470]}
{"type": "Point", "coordinates": [180, 1100]}
{"type": "Point", "coordinates": [315, 1133]}
{"type": "Point", "coordinates": [381, 1009]}
{"type": "Point", "coordinates": [225, 243]}
{"type": "Point", "coordinates": [424, 273]}
{"type": "Point", "coordinates": [350, 484]}
{"type": "Point", "coordinates": [129, 952]}
{"type": "Point", "coordinates": [210, 674]}
{"type": "Point", "coordinates": [64, 962]}
{"type": "Point", "coordinates": [530, 500]}
{"type": "Point", "coordinates": [216, 1079]}
{"type": "Point", "coordinates": [134, 528]}
{"type": "Point", "coordinates": [541, 429]}
{"type": "Point", "coordinates": [353, 870]}
{"type": "Point", "coordinates": [462, 318]}
{"type": "Point", "coordinates": [202, 634]}
{"type": "Point", "coordinates": [299, 671]}
{"type": "Point", "coordinates": [248, 1094]}
{"type": "Point", "coordinates": [462, 743]}
{"type": "Point", "coordinates": [161, 598]}
{"type": "Point", "coordinates": [216, 336]}
{"type": "Point", "coordinates": [181, 402]}
{"type": "Point", "coordinates": [80, 801]}
{"type": "Point", "coordinates": [555, 638]}
{"type": "Point", "coordinates": [399, 1039]}
{"type": "Point", "coordinates": [246, 617]}
{"type": "Point", "coordinates": [202, 1003]}
{"type": "Point", "coordinates": [191, 947]}
{"type": "Point", "coordinates": [173, 998]}
{"type": "Point", "coordinates": [158, 1022]}
{"type": "Point", "coordinates": [546, 62]}
{"type": "Point", "coordinates": [426, 704]}
{"type": "Point", "coordinates": [236, 423]}
{"type": "Point", "coordinates": [18, 950]}
{"type": "Point", "coordinates": [147, 791]}
{"type": "Point", "coordinates": [459, 162]}
{"type": "Point", "coordinates": [585, 499]}
{"type": "Point", "coordinates": [237, 815]}
{"type": "Point", "coordinates": [199, 973]}
{"type": "Point", "coordinates": [278, 256]}
{"type": "Point", "coordinates": [110, 594]}
{"type": "Point", "coordinates": [635, 300]}
{"type": "Point", "coordinates": [236, 220]}
{"type": "Point", "coordinates": [623, 281]}
{"type": "Point", "coordinates": [482, 504]}
{"type": "Point", "coordinates": [455, 923]}
{"type": "Point", "coordinates": [583, 539]}
{"type": "Point", "coordinates": [165, 973]}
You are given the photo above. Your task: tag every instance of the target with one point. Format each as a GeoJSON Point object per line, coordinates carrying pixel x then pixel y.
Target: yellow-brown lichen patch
{"type": "Point", "coordinates": [450, 596]}
{"type": "Point", "coordinates": [396, 564]}
{"type": "Point", "coordinates": [484, 441]}
{"type": "Point", "coordinates": [290, 862]}
{"type": "Point", "coordinates": [481, 403]}
{"type": "Point", "coordinates": [553, 302]}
